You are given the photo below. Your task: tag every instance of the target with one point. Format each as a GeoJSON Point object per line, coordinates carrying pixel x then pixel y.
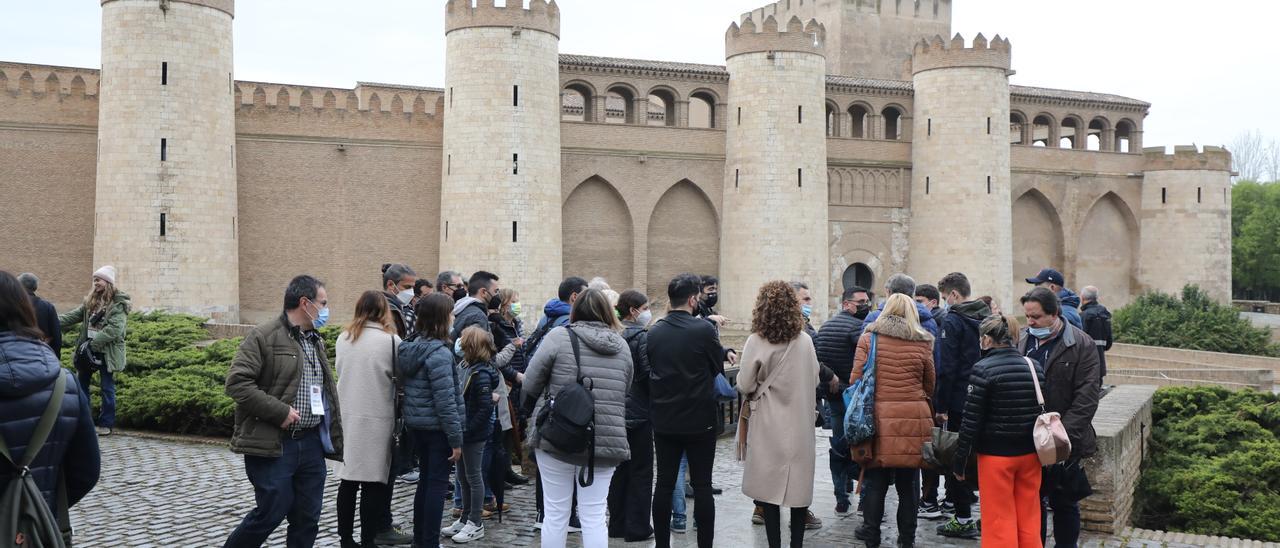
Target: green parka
{"type": "Point", "coordinates": [109, 340]}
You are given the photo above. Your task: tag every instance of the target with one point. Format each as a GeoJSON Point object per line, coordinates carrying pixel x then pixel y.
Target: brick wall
{"type": "Point", "coordinates": [1123, 426]}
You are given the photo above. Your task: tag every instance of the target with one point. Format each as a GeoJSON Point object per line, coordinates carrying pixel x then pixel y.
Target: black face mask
{"type": "Point", "coordinates": [712, 299]}
{"type": "Point", "coordinates": [495, 303]}
{"type": "Point", "coordinates": [459, 294]}
{"type": "Point", "coordinates": [862, 312]}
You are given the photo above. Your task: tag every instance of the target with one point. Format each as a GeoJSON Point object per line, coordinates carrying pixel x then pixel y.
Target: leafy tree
{"type": "Point", "coordinates": [1194, 322]}
{"type": "Point", "coordinates": [1255, 244]}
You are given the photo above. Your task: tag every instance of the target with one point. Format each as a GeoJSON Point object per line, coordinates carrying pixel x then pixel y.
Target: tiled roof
{"type": "Point", "coordinates": [640, 64]}
{"type": "Point", "coordinates": [399, 86]}
{"type": "Point", "coordinates": [1068, 95]}
{"type": "Point", "coordinates": [897, 85]}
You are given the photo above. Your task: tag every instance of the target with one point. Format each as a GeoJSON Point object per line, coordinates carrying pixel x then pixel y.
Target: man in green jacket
{"type": "Point", "coordinates": [287, 419]}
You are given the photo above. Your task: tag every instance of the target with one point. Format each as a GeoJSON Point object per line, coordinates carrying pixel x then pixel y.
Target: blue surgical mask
{"type": "Point", "coordinates": [322, 318]}
{"type": "Point", "coordinates": [807, 310]}
{"type": "Point", "coordinates": [457, 347]}
{"type": "Point", "coordinates": [1040, 332]}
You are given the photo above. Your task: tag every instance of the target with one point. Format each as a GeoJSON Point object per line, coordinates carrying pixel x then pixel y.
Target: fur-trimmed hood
{"type": "Point", "coordinates": [896, 327]}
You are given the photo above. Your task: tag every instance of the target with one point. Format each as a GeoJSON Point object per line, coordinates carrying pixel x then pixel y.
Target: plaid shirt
{"type": "Point", "coordinates": [312, 375]}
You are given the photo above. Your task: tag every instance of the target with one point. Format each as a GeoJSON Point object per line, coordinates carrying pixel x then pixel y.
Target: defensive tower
{"type": "Point", "coordinates": [961, 219]}
{"type": "Point", "coordinates": [774, 223]}
{"type": "Point", "coordinates": [1186, 220]}
{"type": "Point", "coordinates": [500, 196]}
{"type": "Point", "coordinates": [166, 185]}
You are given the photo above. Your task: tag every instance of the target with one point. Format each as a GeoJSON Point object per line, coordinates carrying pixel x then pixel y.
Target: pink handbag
{"type": "Point", "coordinates": [1049, 435]}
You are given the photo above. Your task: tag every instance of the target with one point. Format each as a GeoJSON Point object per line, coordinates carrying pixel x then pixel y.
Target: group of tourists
{"type": "Point", "coordinates": [611, 410]}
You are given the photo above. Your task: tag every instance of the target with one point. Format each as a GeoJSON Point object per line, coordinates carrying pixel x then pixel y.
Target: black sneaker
{"type": "Point", "coordinates": [929, 511]}
{"type": "Point", "coordinates": [842, 508]}
{"type": "Point", "coordinates": [955, 529]}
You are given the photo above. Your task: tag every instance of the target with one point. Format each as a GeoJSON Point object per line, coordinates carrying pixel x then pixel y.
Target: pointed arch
{"type": "Point", "coordinates": [259, 97]}
{"type": "Point", "coordinates": [78, 86]}
{"type": "Point", "coordinates": [329, 100]}
{"type": "Point", "coordinates": [26, 83]}
{"type": "Point", "coordinates": [52, 84]}
{"type": "Point", "coordinates": [282, 98]}
{"type": "Point", "coordinates": [598, 233]}
{"type": "Point", "coordinates": [239, 97]}
{"type": "Point", "coordinates": [4, 82]}
{"type": "Point", "coordinates": [684, 236]}
{"type": "Point", "coordinates": [1107, 246]}
{"type": "Point", "coordinates": [375, 103]}
{"type": "Point", "coordinates": [419, 105]}
{"type": "Point", "coordinates": [305, 100]}
{"type": "Point", "coordinates": [352, 101]}
{"type": "Point", "coordinates": [397, 104]}
{"type": "Point", "coordinates": [1040, 242]}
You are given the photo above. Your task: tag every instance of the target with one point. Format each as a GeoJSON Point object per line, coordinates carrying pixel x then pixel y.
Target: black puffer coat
{"type": "Point", "coordinates": [637, 338]}
{"type": "Point", "coordinates": [1001, 407]}
{"type": "Point", "coordinates": [837, 342]}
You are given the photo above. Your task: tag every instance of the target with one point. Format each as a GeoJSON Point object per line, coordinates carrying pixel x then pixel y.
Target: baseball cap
{"type": "Point", "coordinates": [1048, 275]}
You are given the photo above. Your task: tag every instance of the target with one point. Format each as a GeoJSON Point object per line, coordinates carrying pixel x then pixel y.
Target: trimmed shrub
{"type": "Point", "coordinates": [1194, 322]}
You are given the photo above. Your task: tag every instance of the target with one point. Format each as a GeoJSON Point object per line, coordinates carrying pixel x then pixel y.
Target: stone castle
{"type": "Point", "coordinates": [843, 141]}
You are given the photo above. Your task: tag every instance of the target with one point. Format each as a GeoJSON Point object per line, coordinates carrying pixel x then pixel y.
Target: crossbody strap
{"type": "Point", "coordinates": [43, 428]}
{"type": "Point", "coordinates": [577, 353]}
{"type": "Point", "coordinates": [768, 381]}
{"type": "Point", "coordinates": [1036, 381]}
{"type": "Point", "coordinates": [869, 366]}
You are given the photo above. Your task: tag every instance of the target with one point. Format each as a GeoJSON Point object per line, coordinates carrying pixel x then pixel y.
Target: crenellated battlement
{"type": "Point", "coordinates": [368, 111]}
{"type": "Point", "coordinates": [1187, 157]}
{"type": "Point", "coordinates": [938, 53]}
{"type": "Point", "coordinates": [372, 98]}
{"type": "Point", "coordinates": [929, 10]}
{"type": "Point", "coordinates": [798, 36]}
{"type": "Point", "coordinates": [22, 78]}
{"type": "Point", "coordinates": [541, 15]}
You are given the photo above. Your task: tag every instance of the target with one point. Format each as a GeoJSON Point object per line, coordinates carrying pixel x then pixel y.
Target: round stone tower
{"type": "Point", "coordinates": [165, 211]}
{"type": "Point", "coordinates": [500, 195]}
{"type": "Point", "coordinates": [774, 224]}
{"type": "Point", "coordinates": [1186, 221]}
{"type": "Point", "coordinates": [961, 212]}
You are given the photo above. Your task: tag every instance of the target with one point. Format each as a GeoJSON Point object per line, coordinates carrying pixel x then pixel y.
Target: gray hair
{"type": "Point", "coordinates": [798, 285]}
{"type": "Point", "coordinates": [901, 283]}
{"type": "Point", "coordinates": [1089, 293]}
{"type": "Point", "coordinates": [394, 272]}
{"type": "Point", "coordinates": [445, 279]}
{"type": "Point", "coordinates": [598, 283]}
{"type": "Point", "coordinates": [29, 281]}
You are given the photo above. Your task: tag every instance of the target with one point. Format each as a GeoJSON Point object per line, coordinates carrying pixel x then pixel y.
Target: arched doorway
{"type": "Point", "coordinates": [858, 275]}
{"type": "Point", "coordinates": [597, 234]}
{"type": "Point", "coordinates": [684, 236]}
{"type": "Point", "coordinates": [1108, 242]}
{"type": "Point", "coordinates": [1039, 244]}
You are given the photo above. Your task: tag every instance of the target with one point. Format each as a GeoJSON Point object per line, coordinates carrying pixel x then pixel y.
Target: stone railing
{"type": "Point", "coordinates": [1123, 425]}
{"type": "Point", "coordinates": [1135, 364]}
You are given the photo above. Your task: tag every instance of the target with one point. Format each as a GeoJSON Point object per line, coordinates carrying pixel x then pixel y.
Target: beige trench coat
{"type": "Point", "coordinates": [366, 397]}
{"type": "Point", "coordinates": [780, 449]}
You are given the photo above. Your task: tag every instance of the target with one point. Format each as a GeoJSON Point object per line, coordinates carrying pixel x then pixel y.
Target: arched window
{"type": "Point", "coordinates": [1097, 130]}
{"type": "Point", "coordinates": [892, 120]}
{"type": "Point", "coordinates": [1124, 136]}
{"type": "Point", "coordinates": [576, 104]}
{"type": "Point", "coordinates": [858, 121]}
{"type": "Point", "coordinates": [702, 110]}
{"type": "Point", "coordinates": [1042, 131]}
{"type": "Point", "coordinates": [662, 108]}
{"type": "Point", "coordinates": [1071, 133]}
{"type": "Point", "coordinates": [1017, 124]}
{"type": "Point", "coordinates": [858, 275]}
{"type": "Point", "coordinates": [833, 121]}
{"type": "Point", "coordinates": [619, 106]}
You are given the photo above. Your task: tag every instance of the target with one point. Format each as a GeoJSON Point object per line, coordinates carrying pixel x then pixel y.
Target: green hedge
{"type": "Point", "coordinates": [171, 384]}
{"type": "Point", "coordinates": [1193, 322]}
{"type": "Point", "coordinates": [1214, 464]}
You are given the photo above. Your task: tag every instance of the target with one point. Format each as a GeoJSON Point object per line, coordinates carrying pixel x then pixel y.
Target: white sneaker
{"type": "Point", "coordinates": [470, 532]}
{"type": "Point", "coordinates": [454, 529]}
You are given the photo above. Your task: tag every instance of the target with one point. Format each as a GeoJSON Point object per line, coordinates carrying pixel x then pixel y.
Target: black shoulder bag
{"type": "Point", "coordinates": [567, 419]}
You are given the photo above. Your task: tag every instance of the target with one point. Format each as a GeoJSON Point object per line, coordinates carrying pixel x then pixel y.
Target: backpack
{"type": "Point", "coordinates": [567, 419]}
{"type": "Point", "coordinates": [860, 403]}
{"type": "Point", "coordinates": [26, 519]}
{"type": "Point", "coordinates": [535, 338]}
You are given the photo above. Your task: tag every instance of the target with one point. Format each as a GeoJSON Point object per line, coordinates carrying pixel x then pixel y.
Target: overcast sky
{"type": "Point", "coordinates": [1209, 68]}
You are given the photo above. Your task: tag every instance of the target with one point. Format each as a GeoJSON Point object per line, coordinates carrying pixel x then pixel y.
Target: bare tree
{"type": "Point", "coordinates": [1249, 152]}
{"type": "Point", "coordinates": [1272, 160]}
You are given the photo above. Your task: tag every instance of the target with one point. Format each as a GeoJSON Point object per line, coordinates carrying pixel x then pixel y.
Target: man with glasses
{"type": "Point", "coordinates": [287, 420]}
{"type": "Point", "coordinates": [450, 283]}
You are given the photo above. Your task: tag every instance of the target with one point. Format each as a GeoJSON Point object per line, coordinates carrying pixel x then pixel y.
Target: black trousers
{"type": "Point", "coordinates": [375, 509]}
{"type": "Point", "coordinates": [959, 492]}
{"type": "Point", "coordinates": [876, 486]}
{"type": "Point", "coordinates": [700, 448]}
{"type": "Point", "coordinates": [631, 492]}
{"type": "Point", "coordinates": [773, 525]}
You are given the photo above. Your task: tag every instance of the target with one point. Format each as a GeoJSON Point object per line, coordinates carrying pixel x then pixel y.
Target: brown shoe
{"type": "Point", "coordinates": [811, 521]}
{"type": "Point", "coordinates": [757, 515]}
{"type": "Point", "coordinates": [488, 507]}
{"type": "Point", "coordinates": [457, 512]}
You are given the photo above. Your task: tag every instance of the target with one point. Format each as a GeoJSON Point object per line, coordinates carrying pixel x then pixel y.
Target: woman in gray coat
{"type": "Point", "coordinates": [605, 359]}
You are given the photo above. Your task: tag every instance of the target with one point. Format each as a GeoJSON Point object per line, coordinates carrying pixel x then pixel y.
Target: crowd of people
{"type": "Point", "coordinates": [610, 410]}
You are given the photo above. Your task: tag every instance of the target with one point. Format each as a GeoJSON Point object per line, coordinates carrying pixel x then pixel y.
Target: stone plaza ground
{"type": "Point", "coordinates": [165, 493]}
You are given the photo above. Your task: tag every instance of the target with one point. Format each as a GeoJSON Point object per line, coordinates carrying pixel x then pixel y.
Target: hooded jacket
{"type": "Point", "coordinates": [479, 382]}
{"type": "Point", "coordinates": [1072, 386]}
{"type": "Point", "coordinates": [1070, 307]}
{"type": "Point", "coordinates": [432, 388]}
{"type": "Point", "coordinates": [637, 338]}
{"type": "Point", "coordinates": [468, 312]}
{"type": "Point", "coordinates": [958, 351]}
{"type": "Point", "coordinates": [606, 361]}
{"type": "Point", "coordinates": [904, 386]}
{"type": "Point", "coordinates": [1000, 409]}
{"type": "Point", "coordinates": [110, 337]}
{"type": "Point", "coordinates": [27, 372]}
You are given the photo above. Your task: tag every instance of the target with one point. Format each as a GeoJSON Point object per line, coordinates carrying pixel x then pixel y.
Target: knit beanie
{"type": "Point", "coordinates": [107, 273]}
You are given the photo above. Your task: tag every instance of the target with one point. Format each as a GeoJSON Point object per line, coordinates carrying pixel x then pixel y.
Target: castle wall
{"type": "Point", "coordinates": [1186, 221]}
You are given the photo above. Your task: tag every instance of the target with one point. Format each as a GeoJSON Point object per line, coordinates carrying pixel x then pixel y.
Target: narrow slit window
{"type": "Point", "coordinates": [233, 228]}
{"type": "Point", "coordinates": [926, 185]}
{"type": "Point", "coordinates": [515, 164]}
{"type": "Point", "coordinates": [164, 149]}
{"type": "Point", "coordinates": [450, 97]}
{"type": "Point", "coordinates": [1164, 195]}
{"type": "Point", "coordinates": [736, 178]}
{"type": "Point", "coordinates": [739, 115]}
{"type": "Point", "coordinates": [164, 73]}
{"type": "Point", "coordinates": [446, 231]}
{"type": "Point", "coordinates": [163, 222]}
{"type": "Point", "coordinates": [515, 96]}
{"type": "Point", "coordinates": [988, 126]}
{"type": "Point", "coordinates": [988, 184]}
{"type": "Point", "coordinates": [515, 234]}
{"type": "Point", "coordinates": [930, 128]}
{"type": "Point", "coordinates": [448, 168]}
{"type": "Point", "coordinates": [1224, 195]}
{"type": "Point", "coordinates": [1199, 196]}
{"type": "Point", "coordinates": [231, 86]}
{"type": "Point", "coordinates": [800, 177]}
{"type": "Point", "coordinates": [800, 114]}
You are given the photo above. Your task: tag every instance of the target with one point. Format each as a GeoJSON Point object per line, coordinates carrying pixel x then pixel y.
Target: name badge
{"type": "Point", "coordinates": [317, 401]}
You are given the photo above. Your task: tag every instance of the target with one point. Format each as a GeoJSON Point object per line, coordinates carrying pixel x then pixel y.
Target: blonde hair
{"type": "Point", "coordinates": [477, 345]}
{"type": "Point", "coordinates": [99, 300]}
{"type": "Point", "coordinates": [904, 307]}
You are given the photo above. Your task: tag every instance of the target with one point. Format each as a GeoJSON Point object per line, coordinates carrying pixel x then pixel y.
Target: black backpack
{"type": "Point", "coordinates": [27, 520]}
{"type": "Point", "coordinates": [568, 419]}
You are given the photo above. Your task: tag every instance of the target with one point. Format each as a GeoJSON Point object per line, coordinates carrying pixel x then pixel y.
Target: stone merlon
{"type": "Point", "coordinates": [798, 37]}
{"type": "Point", "coordinates": [541, 15]}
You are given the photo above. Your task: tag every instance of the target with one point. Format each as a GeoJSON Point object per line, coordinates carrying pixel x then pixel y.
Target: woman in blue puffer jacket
{"type": "Point", "coordinates": [433, 410]}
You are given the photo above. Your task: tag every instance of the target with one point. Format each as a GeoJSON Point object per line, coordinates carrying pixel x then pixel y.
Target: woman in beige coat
{"type": "Point", "coordinates": [366, 395]}
{"type": "Point", "coordinates": [778, 376]}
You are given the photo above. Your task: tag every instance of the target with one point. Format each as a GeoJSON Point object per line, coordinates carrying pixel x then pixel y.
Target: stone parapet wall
{"type": "Point", "coordinates": [1207, 359]}
{"type": "Point", "coordinates": [1123, 425]}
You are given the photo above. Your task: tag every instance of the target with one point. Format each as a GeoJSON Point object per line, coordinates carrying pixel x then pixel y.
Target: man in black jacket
{"type": "Point", "coordinates": [474, 308]}
{"type": "Point", "coordinates": [684, 358]}
{"type": "Point", "coordinates": [46, 314]}
{"type": "Point", "coordinates": [1072, 389]}
{"type": "Point", "coordinates": [1097, 323]}
{"type": "Point", "coordinates": [837, 343]}
{"type": "Point", "coordinates": [398, 281]}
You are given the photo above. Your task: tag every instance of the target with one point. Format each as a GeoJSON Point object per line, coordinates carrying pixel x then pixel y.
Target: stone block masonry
{"type": "Point", "coordinates": [1123, 425]}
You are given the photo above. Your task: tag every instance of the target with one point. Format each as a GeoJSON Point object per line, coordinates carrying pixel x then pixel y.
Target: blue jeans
{"type": "Point", "coordinates": [842, 467]}
{"type": "Point", "coordinates": [107, 417]}
{"type": "Point", "coordinates": [678, 508]}
{"type": "Point", "coordinates": [289, 486]}
{"type": "Point", "coordinates": [428, 501]}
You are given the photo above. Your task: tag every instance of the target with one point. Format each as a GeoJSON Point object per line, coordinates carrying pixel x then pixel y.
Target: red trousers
{"type": "Point", "coordinates": [1010, 490]}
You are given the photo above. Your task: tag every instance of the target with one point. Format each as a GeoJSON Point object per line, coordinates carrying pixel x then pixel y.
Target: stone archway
{"type": "Point", "coordinates": [1037, 241]}
{"type": "Point", "coordinates": [1105, 257]}
{"type": "Point", "coordinates": [859, 275]}
{"type": "Point", "coordinates": [597, 234]}
{"type": "Point", "coordinates": [684, 236]}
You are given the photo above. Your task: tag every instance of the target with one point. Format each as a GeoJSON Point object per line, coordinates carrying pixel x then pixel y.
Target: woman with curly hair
{"type": "Point", "coordinates": [778, 376]}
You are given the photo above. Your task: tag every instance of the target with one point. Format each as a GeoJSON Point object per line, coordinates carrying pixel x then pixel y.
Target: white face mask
{"type": "Point", "coordinates": [645, 317]}
{"type": "Point", "coordinates": [405, 296]}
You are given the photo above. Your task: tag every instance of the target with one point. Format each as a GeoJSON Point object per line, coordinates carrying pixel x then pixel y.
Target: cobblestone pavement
{"type": "Point", "coordinates": [165, 493]}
